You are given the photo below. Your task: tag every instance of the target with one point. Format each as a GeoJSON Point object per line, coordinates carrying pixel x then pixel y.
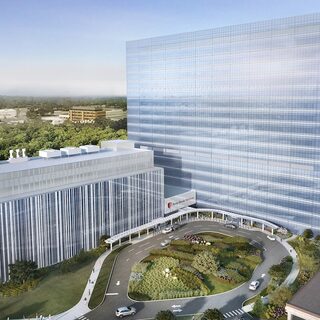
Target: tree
{"type": "Point", "coordinates": [212, 314]}
{"type": "Point", "coordinates": [317, 238]}
{"type": "Point", "coordinates": [21, 271]}
{"type": "Point", "coordinates": [280, 296]}
{"type": "Point", "coordinates": [102, 239]}
{"type": "Point", "coordinates": [277, 272]}
{"type": "Point", "coordinates": [206, 262]}
{"type": "Point", "coordinates": [258, 307]}
{"type": "Point", "coordinates": [307, 234]}
{"type": "Point", "coordinates": [165, 315]}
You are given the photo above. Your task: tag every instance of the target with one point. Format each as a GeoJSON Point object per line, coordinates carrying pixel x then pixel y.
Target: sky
{"type": "Point", "coordinates": [77, 47]}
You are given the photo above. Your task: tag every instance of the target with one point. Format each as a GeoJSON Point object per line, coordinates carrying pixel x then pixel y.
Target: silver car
{"type": "Point", "coordinates": [125, 311]}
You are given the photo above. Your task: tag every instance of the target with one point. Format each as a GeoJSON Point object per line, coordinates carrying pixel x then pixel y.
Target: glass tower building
{"type": "Point", "coordinates": [233, 113]}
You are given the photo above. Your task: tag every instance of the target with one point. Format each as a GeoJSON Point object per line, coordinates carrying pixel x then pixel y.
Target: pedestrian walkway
{"type": "Point", "coordinates": [81, 308]}
{"type": "Point", "coordinates": [233, 313]}
{"type": "Point", "coordinates": [295, 267]}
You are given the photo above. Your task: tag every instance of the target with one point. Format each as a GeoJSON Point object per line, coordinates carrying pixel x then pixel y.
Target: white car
{"type": "Point", "coordinates": [254, 285]}
{"type": "Point", "coordinates": [230, 226]}
{"type": "Point", "coordinates": [125, 311]}
{"type": "Point", "coordinates": [165, 243]}
{"type": "Point", "coordinates": [270, 237]}
{"type": "Point", "coordinates": [166, 230]}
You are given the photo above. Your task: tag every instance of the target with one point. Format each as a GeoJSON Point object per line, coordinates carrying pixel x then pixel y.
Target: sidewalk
{"type": "Point", "coordinates": [295, 267]}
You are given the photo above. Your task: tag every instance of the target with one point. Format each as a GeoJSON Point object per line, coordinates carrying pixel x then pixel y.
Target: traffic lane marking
{"type": "Point", "coordinates": [144, 244]}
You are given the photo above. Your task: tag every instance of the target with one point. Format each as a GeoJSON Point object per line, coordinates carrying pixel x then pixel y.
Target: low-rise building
{"type": "Point", "coordinates": [305, 304]}
{"type": "Point", "coordinates": [54, 205]}
{"type": "Point", "coordinates": [115, 114]}
{"type": "Point", "coordinates": [86, 113]}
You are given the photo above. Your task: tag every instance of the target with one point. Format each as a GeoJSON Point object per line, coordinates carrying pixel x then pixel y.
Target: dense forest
{"type": "Point", "coordinates": [36, 135]}
{"type": "Point", "coordinates": [47, 105]}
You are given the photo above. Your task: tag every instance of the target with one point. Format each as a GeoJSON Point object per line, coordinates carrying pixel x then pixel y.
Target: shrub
{"type": "Point", "coordinates": [140, 267]}
{"type": "Point", "coordinates": [279, 272]}
{"type": "Point", "coordinates": [307, 234]}
{"type": "Point", "coordinates": [165, 315]}
{"type": "Point", "coordinates": [187, 249]}
{"type": "Point", "coordinates": [242, 269]}
{"type": "Point", "coordinates": [180, 243]}
{"type": "Point", "coordinates": [252, 259]}
{"type": "Point", "coordinates": [212, 314]}
{"type": "Point", "coordinates": [22, 271]}
{"type": "Point", "coordinates": [280, 296]}
{"type": "Point", "coordinates": [235, 240]}
{"type": "Point", "coordinates": [274, 312]}
{"type": "Point", "coordinates": [234, 276]}
{"type": "Point", "coordinates": [258, 308]}
{"type": "Point", "coordinates": [193, 271]}
{"type": "Point", "coordinates": [206, 262]}
{"type": "Point", "coordinates": [11, 289]}
{"type": "Point", "coordinates": [190, 280]}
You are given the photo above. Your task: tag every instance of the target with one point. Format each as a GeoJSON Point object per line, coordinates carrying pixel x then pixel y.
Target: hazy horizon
{"type": "Point", "coordinates": [77, 48]}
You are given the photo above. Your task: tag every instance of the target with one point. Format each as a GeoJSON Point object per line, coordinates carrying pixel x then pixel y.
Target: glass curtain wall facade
{"type": "Point", "coordinates": [233, 113]}
{"type": "Point", "coordinates": [50, 227]}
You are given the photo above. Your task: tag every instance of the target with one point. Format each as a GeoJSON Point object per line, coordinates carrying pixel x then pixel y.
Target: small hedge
{"type": "Point", "coordinates": [191, 280]}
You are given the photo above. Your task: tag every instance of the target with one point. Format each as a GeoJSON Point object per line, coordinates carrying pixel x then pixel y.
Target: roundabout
{"type": "Point", "coordinates": [229, 302]}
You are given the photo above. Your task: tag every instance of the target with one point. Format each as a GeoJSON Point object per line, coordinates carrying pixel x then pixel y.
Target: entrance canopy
{"type": "Point", "coordinates": [185, 212]}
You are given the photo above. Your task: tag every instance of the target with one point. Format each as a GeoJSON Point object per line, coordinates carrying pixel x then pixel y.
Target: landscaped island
{"type": "Point", "coordinates": [201, 264]}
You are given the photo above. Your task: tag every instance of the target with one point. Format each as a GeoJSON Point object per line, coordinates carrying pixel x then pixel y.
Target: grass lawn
{"type": "Point", "coordinates": [102, 281]}
{"type": "Point", "coordinates": [216, 285]}
{"type": "Point", "coordinates": [56, 293]}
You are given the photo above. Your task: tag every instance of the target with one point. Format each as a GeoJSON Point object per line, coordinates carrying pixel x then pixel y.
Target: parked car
{"type": "Point", "coordinates": [254, 285]}
{"type": "Point", "coordinates": [125, 311]}
{"type": "Point", "coordinates": [230, 226]}
{"type": "Point", "coordinates": [167, 230]}
{"type": "Point", "coordinates": [165, 243]}
{"type": "Point", "coordinates": [271, 237]}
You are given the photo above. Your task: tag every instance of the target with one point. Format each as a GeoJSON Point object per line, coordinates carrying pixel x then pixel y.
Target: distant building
{"type": "Point", "coordinates": [305, 304]}
{"type": "Point", "coordinates": [86, 113]}
{"type": "Point", "coordinates": [55, 120]}
{"type": "Point", "coordinates": [115, 114]}
{"type": "Point", "coordinates": [54, 205]}
{"type": "Point", "coordinates": [8, 113]}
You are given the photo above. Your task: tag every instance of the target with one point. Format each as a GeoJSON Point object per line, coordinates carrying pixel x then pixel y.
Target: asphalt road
{"type": "Point", "coordinates": [229, 303]}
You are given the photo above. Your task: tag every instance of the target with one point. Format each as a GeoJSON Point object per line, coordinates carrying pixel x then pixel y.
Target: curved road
{"type": "Point", "coordinates": [227, 302]}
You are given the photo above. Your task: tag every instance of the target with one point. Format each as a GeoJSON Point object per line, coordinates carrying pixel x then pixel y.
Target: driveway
{"type": "Point", "coordinates": [229, 303]}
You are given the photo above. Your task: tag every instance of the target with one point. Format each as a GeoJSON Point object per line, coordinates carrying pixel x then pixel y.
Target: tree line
{"type": "Point", "coordinates": [46, 105]}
